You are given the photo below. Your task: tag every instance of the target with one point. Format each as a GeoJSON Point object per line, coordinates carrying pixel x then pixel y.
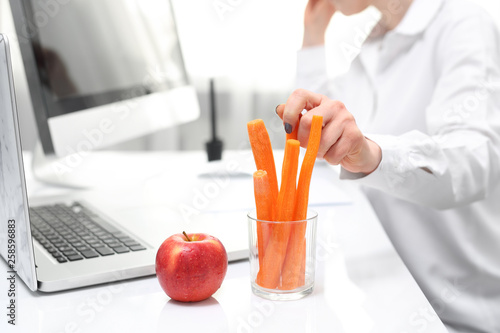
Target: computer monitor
{"type": "Point", "coordinates": [101, 72]}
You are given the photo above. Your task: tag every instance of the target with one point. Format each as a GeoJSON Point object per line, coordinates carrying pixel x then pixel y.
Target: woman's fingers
{"type": "Point", "coordinates": [279, 110]}
{"type": "Point", "coordinates": [299, 100]}
{"type": "Point", "coordinates": [345, 148]}
{"type": "Point", "coordinates": [342, 142]}
{"type": "Point", "coordinates": [334, 115]}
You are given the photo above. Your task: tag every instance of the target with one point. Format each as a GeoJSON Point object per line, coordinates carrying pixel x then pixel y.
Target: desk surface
{"type": "Point", "coordinates": [361, 286]}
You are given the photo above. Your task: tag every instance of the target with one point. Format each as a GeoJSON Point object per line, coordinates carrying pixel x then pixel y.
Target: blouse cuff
{"type": "Point", "coordinates": [394, 170]}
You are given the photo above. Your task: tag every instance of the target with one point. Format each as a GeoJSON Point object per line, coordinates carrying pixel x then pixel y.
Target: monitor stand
{"type": "Point", "coordinates": [94, 169]}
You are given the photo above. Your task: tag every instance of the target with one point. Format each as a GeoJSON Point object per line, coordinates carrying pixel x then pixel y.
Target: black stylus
{"type": "Point", "coordinates": [214, 147]}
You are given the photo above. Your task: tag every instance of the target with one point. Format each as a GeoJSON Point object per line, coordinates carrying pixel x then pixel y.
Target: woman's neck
{"type": "Point", "coordinates": [392, 11]}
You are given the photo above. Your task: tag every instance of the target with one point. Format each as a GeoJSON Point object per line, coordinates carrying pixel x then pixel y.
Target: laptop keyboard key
{"type": "Point", "coordinates": [89, 254]}
{"type": "Point", "coordinates": [131, 243]}
{"type": "Point", "coordinates": [61, 260]}
{"type": "Point", "coordinates": [121, 249]}
{"type": "Point", "coordinates": [75, 257]}
{"type": "Point", "coordinates": [105, 251]}
{"type": "Point", "coordinates": [137, 247]}
{"type": "Point", "coordinates": [121, 236]}
{"type": "Point", "coordinates": [47, 245]}
{"type": "Point", "coordinates": [57, 255]}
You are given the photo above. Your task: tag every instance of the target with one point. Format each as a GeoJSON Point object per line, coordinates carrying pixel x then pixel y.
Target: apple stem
{"type": "Point", "coordinates": [186, 236]}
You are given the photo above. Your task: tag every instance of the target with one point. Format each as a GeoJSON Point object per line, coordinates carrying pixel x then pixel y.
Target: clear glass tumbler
{"type": "Point", "coordinates": [282, 257]}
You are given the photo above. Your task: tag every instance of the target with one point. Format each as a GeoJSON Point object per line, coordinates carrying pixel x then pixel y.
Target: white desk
{"type": "Point", "coordinates": [361, 286]}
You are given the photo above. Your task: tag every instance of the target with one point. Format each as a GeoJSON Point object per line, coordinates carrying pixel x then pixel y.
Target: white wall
{"type": "Point", "coordinates": [249, 46]}
{"type": "Point", "coordinates": [258, 38]}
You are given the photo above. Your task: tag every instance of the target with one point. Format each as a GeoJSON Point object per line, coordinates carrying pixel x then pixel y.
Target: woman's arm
{"type": "Point", "coordinates": [457, 161]}
{"type": "Point", "coordinates": [311, 62]}
{"type": "Point", "coordinates": [316, 19]}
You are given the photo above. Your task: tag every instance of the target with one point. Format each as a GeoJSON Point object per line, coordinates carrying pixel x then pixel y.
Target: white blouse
{"type": "Point", "coordinates": [431, 100]}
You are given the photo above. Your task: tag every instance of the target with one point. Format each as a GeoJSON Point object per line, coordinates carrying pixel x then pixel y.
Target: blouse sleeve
{"type": "Point", "coordinates": [457, 161]}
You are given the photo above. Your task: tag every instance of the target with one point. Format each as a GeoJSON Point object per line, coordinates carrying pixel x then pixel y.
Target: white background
{"type": "Point", "coordinates": [249, 47]}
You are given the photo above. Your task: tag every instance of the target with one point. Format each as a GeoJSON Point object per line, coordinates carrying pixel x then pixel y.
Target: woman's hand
{"type": "Point", "coordinates": [316, 18]}
{"type": "Point", "coordinates": [341, 140]}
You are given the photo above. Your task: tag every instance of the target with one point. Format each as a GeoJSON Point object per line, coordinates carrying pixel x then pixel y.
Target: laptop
{"type": "Point", "coordinates": [63, 243]}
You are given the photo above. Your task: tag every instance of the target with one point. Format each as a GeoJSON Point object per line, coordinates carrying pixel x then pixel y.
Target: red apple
{"type": "Point", "coordinates": [191, 268]}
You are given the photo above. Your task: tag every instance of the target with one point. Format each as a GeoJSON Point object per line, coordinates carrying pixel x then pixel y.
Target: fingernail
{"type": "Point", "coordinates": [288, 128]}
{"type": "Point", "coordinates": [276, 110]}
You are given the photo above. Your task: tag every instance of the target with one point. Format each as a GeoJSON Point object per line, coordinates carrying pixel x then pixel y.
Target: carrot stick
{"type": "Point", "coordinates": [293, 135]}
{"type": "Point", "coordinates": [286, 196]}
{"type": "Point", "coordinates": [263, 155]}
{"type": "Point", "coordinates": [296, 253]}
{"type": "Point", "coordinates": [306, 169]}
{"type": "Point", "coordinates": [270, 274]}
{"type": "Point", "coordinates": [264, 160]}
{"type": "Point", "coordinates": [263, 202]}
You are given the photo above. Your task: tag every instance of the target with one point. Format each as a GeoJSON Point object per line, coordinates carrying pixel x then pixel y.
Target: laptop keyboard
{"type": "Point", "coordinates": [73, 232]}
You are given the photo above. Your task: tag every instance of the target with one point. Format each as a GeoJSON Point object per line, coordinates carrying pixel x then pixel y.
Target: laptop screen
{"type": "Point", "coordinates": [16, 245]}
